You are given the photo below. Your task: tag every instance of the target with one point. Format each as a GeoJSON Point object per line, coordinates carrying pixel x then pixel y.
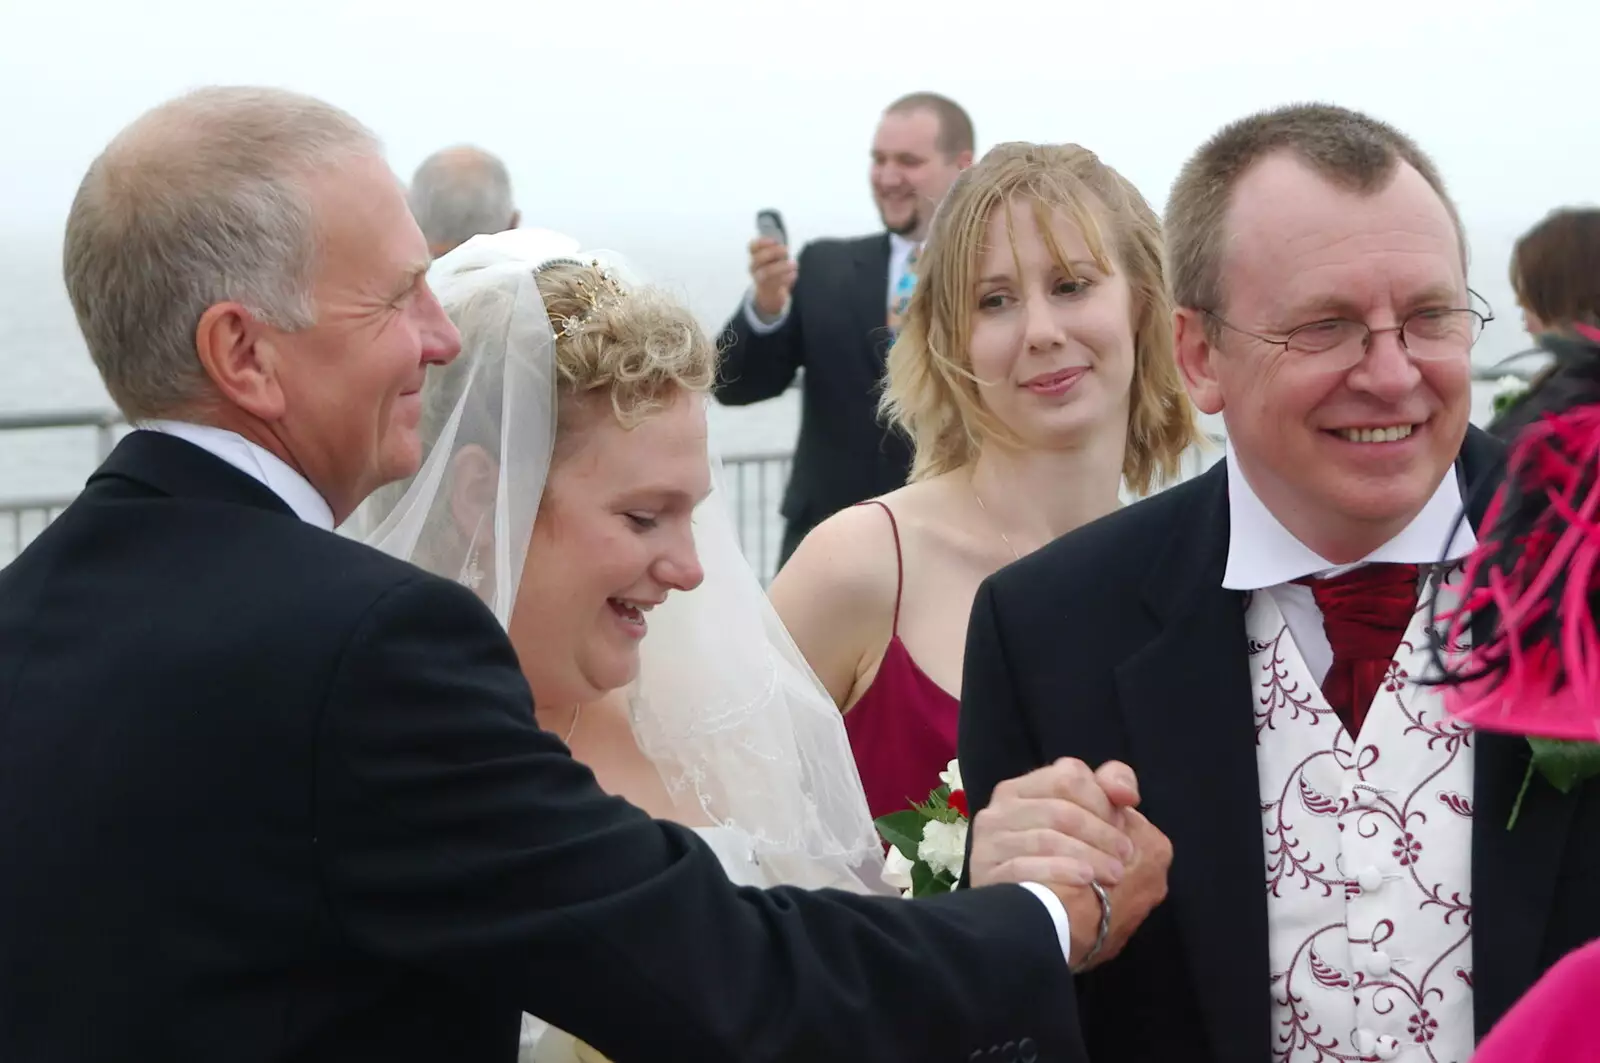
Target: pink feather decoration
{"type": "Point", "coordinates": [1524, 680]}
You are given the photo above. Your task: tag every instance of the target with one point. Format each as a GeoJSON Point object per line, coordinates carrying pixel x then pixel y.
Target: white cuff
{"type": "Point", "coordinates": [1058, 916]}
{"type": "Point", "coordinates": [753, 319]}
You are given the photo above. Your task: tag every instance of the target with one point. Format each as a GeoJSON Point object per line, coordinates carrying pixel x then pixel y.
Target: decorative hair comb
{"type": "Point", "coordinates": [610, 290]}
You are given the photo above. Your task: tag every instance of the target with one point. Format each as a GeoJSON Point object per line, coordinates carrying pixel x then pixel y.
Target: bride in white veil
{"type": "Point", "coordinates": [742, 734]}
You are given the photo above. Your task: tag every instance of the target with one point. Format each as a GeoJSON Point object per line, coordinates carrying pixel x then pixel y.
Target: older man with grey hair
{"type": "Point", "coordinates": [458, 193]}
{"type": "Point", "coordinates": [267, 793]}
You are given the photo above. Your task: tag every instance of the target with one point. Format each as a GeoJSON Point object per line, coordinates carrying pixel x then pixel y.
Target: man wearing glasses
{"type": "Point", "coordinates": [1343, 882]}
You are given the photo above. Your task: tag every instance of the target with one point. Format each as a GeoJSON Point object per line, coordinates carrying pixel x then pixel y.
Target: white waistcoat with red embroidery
{"type": "Point", "coordinates": [1368, 848]}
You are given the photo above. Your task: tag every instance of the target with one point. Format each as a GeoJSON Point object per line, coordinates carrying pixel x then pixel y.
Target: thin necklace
{"type": "Point", "coordinates": [577, 714]}
{"type": "Point", "coordinates": [1003, 537]}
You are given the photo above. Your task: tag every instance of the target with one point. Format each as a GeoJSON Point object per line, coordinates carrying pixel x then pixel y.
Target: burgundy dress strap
{"type": "Point", "coordinates": [899, 562]}
{"type": "Point", "coordinates": [903, 727]}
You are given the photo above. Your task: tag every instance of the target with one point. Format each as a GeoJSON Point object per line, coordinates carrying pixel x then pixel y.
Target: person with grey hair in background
{"type": "Point", "coordinates": [270, 794]}
{"type": "Point", "coordinates": [459, 193]}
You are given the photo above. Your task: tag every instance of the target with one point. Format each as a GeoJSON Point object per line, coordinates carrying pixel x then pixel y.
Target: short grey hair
{"type": "Point", "coordinates": [1349, 149]}
{"type": "Point", "coordinates": [459, 193]}
{"type": "Point", "coordinates": [202, 200]}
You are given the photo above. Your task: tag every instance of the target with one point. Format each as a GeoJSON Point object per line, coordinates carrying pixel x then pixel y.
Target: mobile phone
{"type": "Point", "coordinates": [769, 223]}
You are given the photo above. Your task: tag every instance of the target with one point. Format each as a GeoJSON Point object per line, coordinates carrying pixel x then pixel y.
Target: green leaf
{"type": "Point", "coordinates": [1522, 792]}
{"type": "Point", "coordinates": [936, 804]}
{"type": "Point", "coordinates": [1504, 402]}
{"type": "Point", "coordinates": [1565, 764]}
{"type": "Point", "coordinates": [903, 830]}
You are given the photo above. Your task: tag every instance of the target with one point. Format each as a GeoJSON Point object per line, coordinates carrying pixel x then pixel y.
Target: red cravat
{"type": "Point", "coordinates": [1365, 613]}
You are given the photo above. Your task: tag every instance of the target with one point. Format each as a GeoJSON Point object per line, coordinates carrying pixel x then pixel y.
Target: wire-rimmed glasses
{"type": "Point", "coordinates": [1430, 334]}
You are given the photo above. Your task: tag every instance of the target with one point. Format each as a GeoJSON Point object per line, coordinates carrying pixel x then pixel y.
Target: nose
{"type": "Point", "coordinates": [1386, 371]}
{"type": "Point", "coordinates": [440, 340]}
{"type": "Point", "coordinates": [1042, 331]}
{"type": "Point", "coordinates": [679, 568]}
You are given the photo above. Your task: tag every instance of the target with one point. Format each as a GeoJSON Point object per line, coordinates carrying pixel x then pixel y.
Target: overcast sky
{"type": "Point", "coordinates": [659, 128]}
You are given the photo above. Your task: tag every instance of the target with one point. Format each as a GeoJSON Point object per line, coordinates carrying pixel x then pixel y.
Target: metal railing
{"type": "Point", "coordinates": [754, 480]}
{"type": "Point", "coordinates": [22, 518]}
{"type": "Point", "coordinates": [1533, 362]}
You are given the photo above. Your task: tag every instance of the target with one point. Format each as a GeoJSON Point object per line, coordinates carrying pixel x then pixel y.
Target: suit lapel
{"type": "Point", "coordinates": [1186, 703]}
{"type": "Point", "coordinates": [1514, 871]}
{"type": "Point", "coordinates": [870, 295]}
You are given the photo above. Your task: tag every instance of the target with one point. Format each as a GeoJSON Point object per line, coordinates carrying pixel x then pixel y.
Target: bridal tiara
{"type": "Point", "coordinates": [610, 290]}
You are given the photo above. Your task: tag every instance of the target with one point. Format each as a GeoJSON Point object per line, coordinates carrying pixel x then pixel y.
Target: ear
{"type": "Point", "coordinates": [964, 159]}
{"type": "Point", "coordinates": [1196, 359]}
{"type": "Point", "coordinates": [473, 479]}
{"type": "Point", "coordinates": [242, 359]}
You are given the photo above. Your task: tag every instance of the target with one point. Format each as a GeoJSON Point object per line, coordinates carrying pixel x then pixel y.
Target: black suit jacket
{"type": "Point", "coordinates": [836, 331]}
{"type": "Point", "coordinates": [1118, 642]}
{"type": "Point", "coordinates": [269, 795]}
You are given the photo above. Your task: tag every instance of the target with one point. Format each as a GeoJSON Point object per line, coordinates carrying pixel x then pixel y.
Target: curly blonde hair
{"type": "Point", "coordinates": [639, 349]}
{"type": "Point", "coordinates": [635, 350]}
{"type": "Point", "coordinates": [931, 391]}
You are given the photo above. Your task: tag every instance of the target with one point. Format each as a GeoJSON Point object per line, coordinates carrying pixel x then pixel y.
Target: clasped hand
{"type": "Point", "coordinates": [1065, 826]}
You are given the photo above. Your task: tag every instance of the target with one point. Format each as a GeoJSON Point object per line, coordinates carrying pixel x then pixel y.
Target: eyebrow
{"type": "Point", "coordinates": [415, 274]}
{"type": "Point", "coordinates": [1442, 295]}
{"type": "Point", "coordinates": [668, 495]}
{"type": "Point", "coordinates": [1333, 305]}
{"type": "Point", "coordinates": [1075, 265]}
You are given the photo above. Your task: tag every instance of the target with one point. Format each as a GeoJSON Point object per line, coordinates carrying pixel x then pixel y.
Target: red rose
{"type": "Point", "coordinates": [958, 801]}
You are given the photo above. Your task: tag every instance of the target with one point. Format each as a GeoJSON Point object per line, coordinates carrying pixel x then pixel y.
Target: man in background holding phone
{"type": "Point", "coordinates": [834, 312]}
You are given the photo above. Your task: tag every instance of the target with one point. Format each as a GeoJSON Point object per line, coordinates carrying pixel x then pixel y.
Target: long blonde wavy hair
{"type": "Point", "coordinates": [932, 393]}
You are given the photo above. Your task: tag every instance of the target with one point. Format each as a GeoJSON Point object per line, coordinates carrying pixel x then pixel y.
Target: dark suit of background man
{"type": "Point", "coordinates": [833, 315]}
{"type": "Point", "coordinates": [268, 795]}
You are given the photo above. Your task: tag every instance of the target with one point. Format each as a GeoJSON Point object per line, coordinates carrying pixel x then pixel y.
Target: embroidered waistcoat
{"type": "Point", "coordinates": [1368, 845]}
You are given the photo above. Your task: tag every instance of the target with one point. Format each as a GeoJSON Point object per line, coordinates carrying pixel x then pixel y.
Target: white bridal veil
{"type": "Point", "coordinates": [725, 705]}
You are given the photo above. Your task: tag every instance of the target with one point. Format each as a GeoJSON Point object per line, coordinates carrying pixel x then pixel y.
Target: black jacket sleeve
{"type": "Point", "coordinates": [754, 367]}
{"type": "Point", "coordinates": [457, 837]}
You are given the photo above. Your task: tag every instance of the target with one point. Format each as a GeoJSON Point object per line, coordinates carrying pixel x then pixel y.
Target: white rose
{"type": "Point", "coordinates": [1510, 385]}
{"type": "Point", "coordinates": [897, 870]}
{"type": "Point", "coordinates": [944, 846]}
{"type": "Point", "coordinates": [951, 776]}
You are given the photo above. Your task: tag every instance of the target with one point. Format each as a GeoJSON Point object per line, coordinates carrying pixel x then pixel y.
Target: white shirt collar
{"type": "Point", "coordinates": [258, 463]}
{"type": "Point", "coordinates": [901, 246]}
{"type": "Point", "coordinates": [1263, 553]}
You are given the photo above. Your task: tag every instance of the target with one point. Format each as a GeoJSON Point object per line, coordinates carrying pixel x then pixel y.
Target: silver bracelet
{"type": "Point", "coordinates": [1105, 928]}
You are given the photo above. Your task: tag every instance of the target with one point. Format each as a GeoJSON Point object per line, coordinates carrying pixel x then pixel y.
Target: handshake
{"type": "Point", "coordinates": [1069, 828]}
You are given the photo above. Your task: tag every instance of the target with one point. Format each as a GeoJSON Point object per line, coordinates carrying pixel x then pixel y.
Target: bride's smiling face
{"type": "Point", "coordinates": [614, 536]}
